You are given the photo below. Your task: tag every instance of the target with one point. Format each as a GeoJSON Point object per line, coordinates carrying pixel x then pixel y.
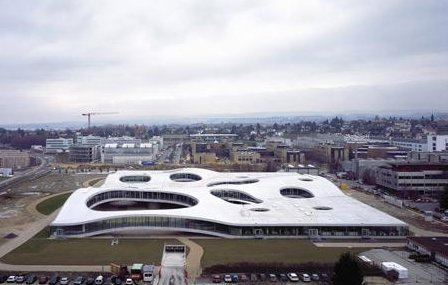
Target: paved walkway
{"type": "Point", "coordinates": [194, 257]}
{"type": "Point", "coordinates": [360, 244]}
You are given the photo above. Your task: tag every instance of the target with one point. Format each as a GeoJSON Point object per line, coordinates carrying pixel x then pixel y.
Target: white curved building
{"type": "Point", "coordinates": [231, 205]}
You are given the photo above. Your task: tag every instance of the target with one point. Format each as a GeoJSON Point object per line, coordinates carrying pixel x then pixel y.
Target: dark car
{"type": "Point", "coordinates": [3, 278]}
{"type": "Point", "coordinates": [118, 281]}
{"type": "Point", "coordinates": [43, 279]}
{"type": "Point", "coordinates": [283, 277]}
{"type": "Point", "coordinates": [30, 279]}
{"type": "Point", "coordinates": [263, 277]}
{"type": "Point", "coordinates": [234, 277]}
{"type": "Point", "coordinates": [79, 280]}
{"type": "Point", "coordinates": [272, 277]}
{"type": "Point", "coordinates": [90, 281]}
{"type": "Point", "coordinates": [107, 281]}
{"type": "Point", "coordinates": [54, 280]}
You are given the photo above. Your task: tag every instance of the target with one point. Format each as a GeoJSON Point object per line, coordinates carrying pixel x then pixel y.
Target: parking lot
{"type": "Point", "coordinates": [419, 273]}
{"type": "Point", "coordinates": [267, 278]}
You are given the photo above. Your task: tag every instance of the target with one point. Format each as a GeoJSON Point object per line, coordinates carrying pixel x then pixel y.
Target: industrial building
{"type": "Point", "coordinates": [230, 205]}
{"type": "Point", "coordinates": [14, 159]}
{"type": "Point", "coordinates": [85, 153]}
{"type": "Point", "coordinates": [413, 178]}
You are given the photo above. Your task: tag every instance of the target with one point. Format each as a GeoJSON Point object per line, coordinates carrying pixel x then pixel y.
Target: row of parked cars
{"type": "Point", "coordinates": [282, 277]}
{"type": "Point", "coordinates": [63, 280]}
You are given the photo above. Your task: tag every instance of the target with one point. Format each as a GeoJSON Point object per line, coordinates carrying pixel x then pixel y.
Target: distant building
{"type": "Point", "coordinates": [127, 153]}
{"type": "Point", "coordinates": [204, 158]}
{"type": "Point", "coordinates": [413, 179]}
{"type": "Point", "coordinates": [175, 139]}
{"type": "Point", "coordinates": [330, 153]}
{"type": "Point", "coordinates": [441, 157]}
{"type": "Point", "coordinates": [58, 145]}
{"type": "Point", "coordinates": [435, 247]}
{"type": "Point", "coordinates": [411, 145]}
{"type": "Point", "coordinates": [213, 137]}
{"type": "Point", "coordinates": [89, 140]}
{"type": "Point", "coordinates": [5, 172]}
{"type": "Point", "coordinates": [85, 153]}
{"type": "Point", "coordinates": [288, 155]}
{"type": "Point", "coordinates": [244, 156]}
{"type": "Point", "coordinates": [14, 159]}
{"type": "Point", "coordinates": [437, 143]}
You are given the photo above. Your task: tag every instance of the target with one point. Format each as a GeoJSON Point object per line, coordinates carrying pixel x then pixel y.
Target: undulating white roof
{"type": "Point", "coordinates": [279, 209]}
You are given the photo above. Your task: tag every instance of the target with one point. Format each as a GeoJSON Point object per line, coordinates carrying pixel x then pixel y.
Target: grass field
{"type": "Point", "coordinates": [86, 251]}
{"type": "Point", "coordinates": [284, 251]}
{"type": "Point", "coordinates": [50, 205]}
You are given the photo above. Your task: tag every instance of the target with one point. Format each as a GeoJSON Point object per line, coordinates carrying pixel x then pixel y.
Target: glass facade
{"type": "Point", "coordinates": [178, 224]}
{"type": "Point", "coordinates": [170, 197]}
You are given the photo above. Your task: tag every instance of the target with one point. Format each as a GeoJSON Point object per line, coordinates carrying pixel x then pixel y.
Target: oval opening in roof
{"type": "Point", "coordinates": [296, 193]}
{"type": "Point", "coordinates": [135, 178]}
{"type": "Point", "coordinates": [306, 179]}
{"type": "Point", "coordinates": [185, 177]}
{"type": "Point", "coordinates": [322, 208]}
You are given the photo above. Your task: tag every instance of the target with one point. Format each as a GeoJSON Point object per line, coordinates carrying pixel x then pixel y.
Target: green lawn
{"type": "Point", "coordinates": [86, 251]}
{"type": "Point", "coordinates": [50, 205]}
{"type": "Point", "coordinates": [284, 251]}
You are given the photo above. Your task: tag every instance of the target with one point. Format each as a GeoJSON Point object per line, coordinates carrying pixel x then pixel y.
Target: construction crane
{"type": "Point", "coordinates": [96, 113]}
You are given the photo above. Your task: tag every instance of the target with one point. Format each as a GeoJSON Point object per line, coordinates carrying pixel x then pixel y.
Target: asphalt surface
{"type": "Point", "coordinates": [418, 273]}
{"type": "Point", "coordinates": [32, 173]}
{"type": "Point", "coordinates": [173, 269]}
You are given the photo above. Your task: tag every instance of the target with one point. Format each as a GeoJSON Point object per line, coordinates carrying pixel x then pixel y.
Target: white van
{"type": "Point", "coordinates": [99, 280]}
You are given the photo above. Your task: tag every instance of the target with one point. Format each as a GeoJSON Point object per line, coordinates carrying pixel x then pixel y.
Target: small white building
{"type": "Point", "coordinates": [437, 143]}
{"type": "Point", "coordinates": [401, 270]}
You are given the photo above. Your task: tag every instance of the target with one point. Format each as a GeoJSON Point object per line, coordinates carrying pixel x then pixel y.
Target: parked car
{"type": "Point", "coordinates": [100, 279]}
{"type": "Point", "coordinates": [244, 278]}
{"type": "Point", "coordinates": [90, 281]}
{"type": "Point", "coordinates": [305, 277]}
{"type": "Point", "coordinates": [129, 281]}
{"type": "Point", "coordinates": [43, 279]}
{"type": "Point", "coordinates": [118, 281]}
{"type": "Point", "coordinates": [272, 277]}
{"type": "Point", "coordinates": [20, 279]}
{"type": "Point", "coordinates": [79, 280]}
{"type": "Point", "coordinates": [263, 277]}
{"type": "Point", "coordinates": [107, 281]}
{"type": "Point", "coordinates": [216, 278]}
{"type": "Point", "coordinates": [11, 279]}
{"type": "Point", "coordinates": [54, 280]}
{"type": "Point", "coordinates": [234, 277]}
{"type": "Point", "coordinates": [64, 280]}
{"type": "Point", "coordinates": [324, 277]}
{"type": "Point", "coordinates": [253, 277]}
{"type": "Point", "coordinates": [283, 277]}
{"type": "Point", "coordinates": [227, 278]}
{"type": "Point", "coordinates": [315, 277]}
{"type": "Point", "coordinates": [3, 278]}
{"type": "Point", "coordinates": [30, 279]}
{"type": "Point", "coordinates": [293, 277]}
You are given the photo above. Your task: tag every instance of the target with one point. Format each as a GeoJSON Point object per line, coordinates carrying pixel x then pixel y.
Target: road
{"type": "Point", "coordinates": [29, 174]}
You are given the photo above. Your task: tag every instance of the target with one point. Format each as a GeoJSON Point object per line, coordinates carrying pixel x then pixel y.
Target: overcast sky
{"type": "Point", "coordinates": [186, 58]}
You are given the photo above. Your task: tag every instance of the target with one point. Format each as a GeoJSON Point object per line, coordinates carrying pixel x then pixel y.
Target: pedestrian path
{"type": "Point", "coordinates": [194, 257]}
